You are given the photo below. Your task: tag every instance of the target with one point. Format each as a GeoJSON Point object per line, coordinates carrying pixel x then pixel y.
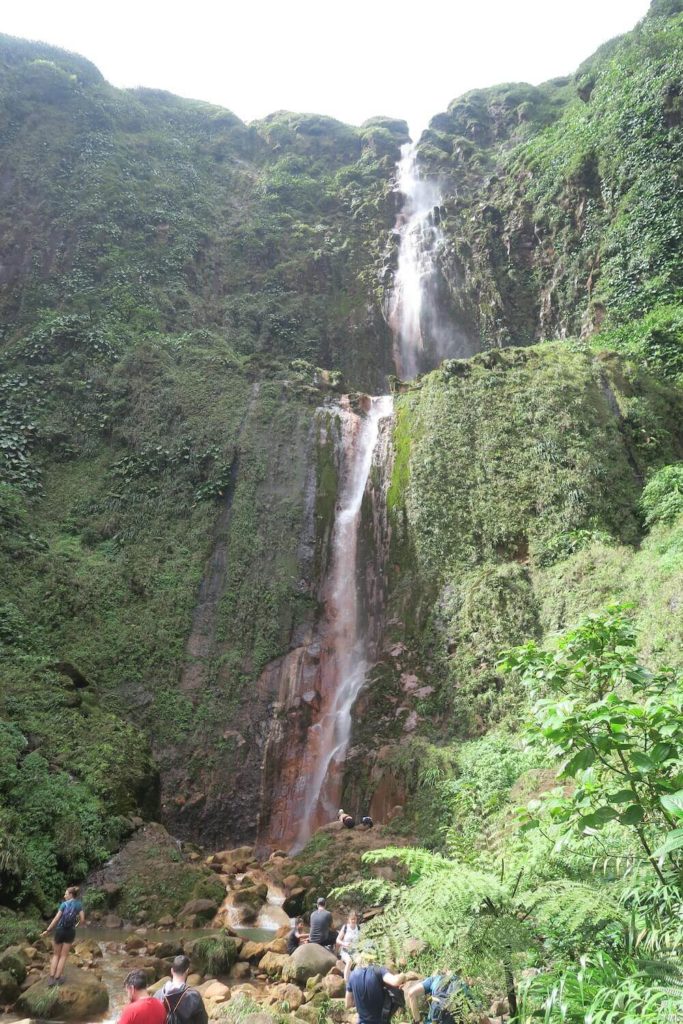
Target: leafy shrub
{"type": "Point", "coordinates": [214, 956]}
{"type": "Point", "coordinates": [662, 497]}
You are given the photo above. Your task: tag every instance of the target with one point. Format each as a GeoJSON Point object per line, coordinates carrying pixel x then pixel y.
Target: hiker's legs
{"type": "Point", "coordinates": [66, 946]}
{"type": "Point", "coordinates": [56, 954]}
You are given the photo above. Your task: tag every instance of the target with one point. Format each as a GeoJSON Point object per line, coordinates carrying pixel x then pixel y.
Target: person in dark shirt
{"type": "Point", "coordinates": [141, 1009]}
{"type": "Point", "coordinates": [176, 997]}
{"type": "Point", "coordinates": [365, 989]}
{"type": "Point", "coordinates": [320, 929]}
{"type": "Point", "coordinates": [296, 936]}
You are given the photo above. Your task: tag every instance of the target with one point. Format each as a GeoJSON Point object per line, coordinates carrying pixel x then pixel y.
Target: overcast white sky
{"type": "Point", "coordinates": [350, 59]}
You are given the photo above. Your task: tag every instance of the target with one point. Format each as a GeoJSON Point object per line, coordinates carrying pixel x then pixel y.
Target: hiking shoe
{"type": "Point", "coordinates": [52, 982]}
{"type": "Point", "coordinates": [60, 981]}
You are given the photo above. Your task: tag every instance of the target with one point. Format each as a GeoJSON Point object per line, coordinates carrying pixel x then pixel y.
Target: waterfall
{"type": "Point", "coordinates": [329, 737]}
{"type": "Point", "coordinates": [318, 682]}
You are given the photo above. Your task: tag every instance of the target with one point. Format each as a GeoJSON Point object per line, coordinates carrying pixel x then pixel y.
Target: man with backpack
{"type": "Point", "coordinates": [183, 1005]}
{"type": "Point", "coordinates": [451, 1000]}
{"type": "Point", "coordinates": [373, 990]}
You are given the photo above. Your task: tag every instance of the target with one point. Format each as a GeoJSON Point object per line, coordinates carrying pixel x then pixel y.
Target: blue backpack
{"type": "Point", "coordinates": [442, 993]}
{"type": "Point", "coordinates": [70, 912]}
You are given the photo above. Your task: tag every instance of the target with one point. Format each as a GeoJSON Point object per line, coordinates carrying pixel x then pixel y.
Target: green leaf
{"type": "Point", "coordinates": [673, 802]}
{"type": "Point", "coordinates": [622, 796]}
{"type": "Point", "coordinates": [633, 815]}
{"type": "Point", "coordinates": [579, 762]}
{"type": "Point", "coordinates": [674, 841]}
{"type": "Point", "coordinates": [642, 762]}
{"type": "Point", "coordinates": [598, 818]}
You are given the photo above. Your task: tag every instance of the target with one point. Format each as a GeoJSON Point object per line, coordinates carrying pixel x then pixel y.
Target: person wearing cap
{"type": "Point", "coordinates": [175, 996]}
{"type": "Point", "coordinates": [320, 929]}
{"type": "Point", "coordinates": [142, 1008]}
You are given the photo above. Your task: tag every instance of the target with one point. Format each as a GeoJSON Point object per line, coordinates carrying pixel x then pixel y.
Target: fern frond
{"type": "Point", "coordinates": [571, 907]}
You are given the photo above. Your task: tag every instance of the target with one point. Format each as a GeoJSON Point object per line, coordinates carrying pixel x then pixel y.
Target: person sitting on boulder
{"type": "Point", "coordinates": [184, 1004]}
{"type": "Point", "coordinates": [65, 922]}
{"type": "Point", "coordinates": [320, 929]}
{"type": "Point", "coordinates": [367, 821]}
{"type": "Point", "coordinates": [141, 1009]}
{"type": "Point", "coordinates": [296, 936]}
{"type": "Point", "coordinates": [347, 820]}
{"type": "Point", "coordinates": [367, 986]}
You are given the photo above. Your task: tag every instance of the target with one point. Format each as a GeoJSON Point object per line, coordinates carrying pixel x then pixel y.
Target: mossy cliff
{"type": "Point", "coordinates": [514, 508]}
{"type": "Point", "coordinates": [561, 203]}
{"type": "Point", "coordinates": [179, 292]}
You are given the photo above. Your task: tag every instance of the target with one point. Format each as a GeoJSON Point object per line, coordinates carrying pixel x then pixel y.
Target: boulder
{"type": "Point", "coordinates": [291, 995]}
{"type": "Point", "coordinates": [166, 921]}
{"type": "Point", "coordinates": [294, 902]}
{"type": "Point", "coordinates": [245, 991]}
{"type": "Point", "coordinates": [112, 921]}
{"type": "Point", "coordinates": [215, 991]}
{"type": "Point", "coordinates": [88, 949]}
{"type": "Point", "coordinates": [307, 961]}
{"type": "Point", "coordinates": [13, 960]}
{"type": "Point", "coordinates": [262, 1017]}
{"type": "Point", "coordinates": [164, 949]}
{"type": "Point", "coordinates": [334, 986]}
{"type": "Point", "coordinates": [239, 971]}
{"type": "Point", "coordinates": [134, 943]}
{"type": "Point", "coordinates": [253, 950]}
{"type": "Point", "coordinates": [272, 964]}
{"type": "Point", "coordinates": [202, 910]}
{"type": "Point", "coordinates": [278, 945]}
{"type": "Point", "coordinates": [81, 997]}
{"type": "Point", "coordinates": [308, 1013]}
{"type": "Point", "coordinates": [153, 967]}
{"type": "Point", "coordinates": [9, 989]}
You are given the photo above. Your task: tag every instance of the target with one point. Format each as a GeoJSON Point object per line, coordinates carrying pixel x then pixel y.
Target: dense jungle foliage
{"type": "Point", "coordinates": [179, 292]}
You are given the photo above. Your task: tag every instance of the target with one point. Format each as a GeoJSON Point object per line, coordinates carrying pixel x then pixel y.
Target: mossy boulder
{"type": "Point", "coordinates": [14, 960]}
{"type": "Point", "coordinates": [9, 988]}
{"type": "Point", "coordinates": [82, 997]}
{"type": "Point", "coordinates": [307, 961]}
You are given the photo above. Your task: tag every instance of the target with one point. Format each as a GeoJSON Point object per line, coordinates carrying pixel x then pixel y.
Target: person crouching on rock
{"type": "Point", "coordinates": [65, 922]}
{"type": "Point", "coordinates": [296, 936]}
{"type": "Point", "coordinates": [184, 1004]}
{"type": "Point", "coordinates": [142, 1008]}
{"type": "Point", "coordinates": [347, 820]}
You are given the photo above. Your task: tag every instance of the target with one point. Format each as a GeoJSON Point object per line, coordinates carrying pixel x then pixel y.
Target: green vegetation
{"type": "Point", "coordinates": [588, 879]}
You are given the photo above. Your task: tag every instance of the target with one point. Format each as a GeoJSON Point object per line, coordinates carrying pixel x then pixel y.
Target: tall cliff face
{"type": "Point", "coordinates": [171, 282]}
{"type": "Point", "coordinates": [561, 203]}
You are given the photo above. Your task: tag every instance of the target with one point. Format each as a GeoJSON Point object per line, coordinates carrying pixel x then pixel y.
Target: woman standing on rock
{"type": "Point", "coordinates": [65, 922]}
{"type": "Point", "coordinates": [347, 940]}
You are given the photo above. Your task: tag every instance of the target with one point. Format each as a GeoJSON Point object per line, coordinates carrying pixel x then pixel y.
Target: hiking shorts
{"type": "Point", "coordinates": [67, 934]}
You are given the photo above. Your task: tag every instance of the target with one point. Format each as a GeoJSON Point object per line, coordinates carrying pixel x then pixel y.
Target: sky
{"type": "Point", "coordinates": [350, 59]}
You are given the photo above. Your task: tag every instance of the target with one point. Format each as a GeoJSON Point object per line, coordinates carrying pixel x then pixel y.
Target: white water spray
{"type": "Point", "coordinates": [329, 737]}
{"type": "Point", "coordinates": [420, 239]}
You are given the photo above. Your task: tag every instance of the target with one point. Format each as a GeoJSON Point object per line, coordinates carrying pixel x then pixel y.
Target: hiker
{"type": "Point", "coordinates": [347, 940]}
{"type": "Point", "coordinates": [183, 1005]}
{"type": "Point", "coordinates": [65, 922]}
{"type": "Point", "coordinates": [296, 936]}
{"type": "Point", "coordinates": [347, 820]}
{"type": "Point", "coordinates": [320, 929]}
{"type": "Point", "coordinates": [441, 989]}
{"type": "Point", "coordinates": [369, 987]}
{"type": "Point", "coordinates": [141, 1009]}
{"type": "Point", "coordinates": [367, 821]}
